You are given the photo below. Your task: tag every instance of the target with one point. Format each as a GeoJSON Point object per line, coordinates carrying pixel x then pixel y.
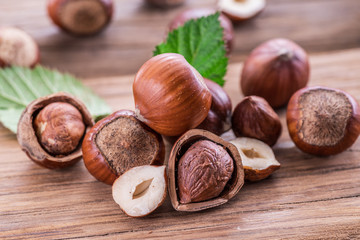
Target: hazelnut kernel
{"type": "Point", "coordinates": [59, 128]}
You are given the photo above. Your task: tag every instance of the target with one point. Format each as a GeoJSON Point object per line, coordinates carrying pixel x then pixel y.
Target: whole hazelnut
{"type": "Point", "coordinates": [218, 119]}
{"type": "Point", "coordinates": [204, 171]}
{"type": "Point", "coordinates": [51, 129]}
{"type": "Point", "coordinates": [165, 3]}
{"type": "Point", "coordinates": [17, 48]}
{"type": "Point", "coordinates": [120, 142]}
{"type": "Point", "coordinates": [195, 13]}
{"type": "Point", "coordinates": [170, 95]}
{"type": "Point", "coordinates": [241, 10]}
{"type": "Point", "coordinates": [275, 70]}
{"type": "Point", "coordinates": [253, 117]}
{"type": "Point", "coordinates": [59, 128]}
{"type": "Point", "coordinates": [81, 17]}
{"type": "Point", "coordinates": [323, 121]}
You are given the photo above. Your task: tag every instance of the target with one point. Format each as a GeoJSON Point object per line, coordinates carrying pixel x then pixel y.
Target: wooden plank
{"type": "Point", "coordinates": [307, 198]}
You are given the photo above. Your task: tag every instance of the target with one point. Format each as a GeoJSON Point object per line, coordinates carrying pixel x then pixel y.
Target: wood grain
{"type": "Point", "coordinates": [308, 198]}
{"type": "Point", "coordinates": [318, 26]}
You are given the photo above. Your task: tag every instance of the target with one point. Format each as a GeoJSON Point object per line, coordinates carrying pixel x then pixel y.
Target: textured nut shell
{"type": "Point", "coordinates": [294, 117]}
{"type": "Point", "coordinates": [119, 183]}
{"type": "Point", "coordinates": [170, 95]}
{"type": "Point", "coordinates": [180, 147]}
{"type": "Point", "coordinates": [275, 70]}
{"type": "Point", "coordinates": [54, 6]}
{"type": "Point", "coordinates": [253, 117]}
{"type": "Point", "coordinates": [20, 43]}
{"type": "Point", "coordinates": [218, 119]}
{"type": "Point", "coordinates": [97, 164]}
{"type": "Point", "coordinates": [242, 10]}
{"type": "Point", "coordinates": [27, 138]}
{"type": "Point", "coordinates": [195, 13]}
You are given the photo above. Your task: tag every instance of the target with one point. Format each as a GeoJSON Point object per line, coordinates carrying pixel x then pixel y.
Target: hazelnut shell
{"type": "Point", "coordinates": [170, 95]}
{"type": "Point", "coordinates": [253, 117]}
{"type": "Point", "coordinates": [218, 119]}
{"type": "Point", "coordinates": [27, 138]}
{"type": "Point", "coordinates": [232, 187]}
{"type": "Point", "coordinates": [296, 120]}
{"type": "Point", "coordinates": [68, 23]}
{"type": "Point", "coordinates": [275, 70]}
{"type": "Point", "coordinates": [97, 163]}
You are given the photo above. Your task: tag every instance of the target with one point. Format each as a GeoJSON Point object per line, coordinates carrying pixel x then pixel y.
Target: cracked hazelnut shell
{"type": "Point", "coordinates": [196, 13]}
{"type": "Point", "coordinates": [218, 119]}
{"type": "Point", "coordinates": [28, 140]}
{"type": "Point", "coordinates": [253, 117]}
{"type": "Point", "coordinates": [231, 188]}
{"type": "Point", "coordinates": [81, 17]}
{"type": "Point", "coordinates": [170, 95]}
{"type": "Point", "coordinates": [323, 121]}
{"type": "Point", "coordinates": [275, 70]}
{"type": "Point", "coordinates": [17, 48]}
{"type": "Point", "coordinates": [119, 142]}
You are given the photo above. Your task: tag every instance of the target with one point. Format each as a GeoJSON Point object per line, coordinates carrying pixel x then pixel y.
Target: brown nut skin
{"type": "Point", "coordinates": [17, 48]}
{"type": "Point", "coordinates": [100, 164]}
{"type": "Point", "coordinates": [232, 187]}
{"type": "Point", "coordinates": [203, 171]}
{"type": "Point", "coordinates": [59, 128]}
{"type": "Point", "coordinates": [81, 17]}
{"type": "Point", "coordinates": [275, 70]}
{"type": "Point", "coordinates": [253, 117]}
{"type": "Point", "coordinates": [323, 126]}
{"type": "Point", "coordinates": [170, 95]}
{"type": "Point", "coordinates": [27, 137]}
{"type": "Point", "coordinates": [218, 119]}
{"type": "Point", "coordinates": [195, 13]}
{"type": "Point", "coordinates": [165, 3]}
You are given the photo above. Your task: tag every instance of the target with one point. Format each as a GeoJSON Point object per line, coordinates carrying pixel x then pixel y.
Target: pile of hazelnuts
{"type": "Point", "coordinates": [172, 100]}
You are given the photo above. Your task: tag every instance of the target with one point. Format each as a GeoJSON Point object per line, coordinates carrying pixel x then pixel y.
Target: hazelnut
{"type": "Point", "coordinates": [140, 190]}
{"type": "Point", "coordinates": [203, 171]}
{"type": "Point", "coordinates": [170, 95]}
{"type": "Point", "coordinates": [80, 17]}
{"type": "Point", "coordinates": [17, 48]}
{"type": "Point", "coordinates": [201, 174]}
{"type": "Point", "coordinates": [51, 128]}
{"type": "Point", "coordinates": [195, 13]}
{"type": "Point", "coordinates": [258, 159]}
{"type": "Point", "coordinates": [253, 117]}
{"type": "Point", "coordinates": [165, 3]}
{"type": "Point", "coordinates": [241, 10]}
{"type": "Point", "coordinates": [59, 128]}
{"type": "Point", "coordinates": [275, 70]}
{"type": "Point", "coordinates": [218, 119]}
{"type": "Point", "coordinates": [120, 142]}
{"type": "Point", "coordinates": [323, 121]}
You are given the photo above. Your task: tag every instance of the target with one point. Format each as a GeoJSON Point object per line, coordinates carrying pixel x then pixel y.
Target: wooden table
{"type": "Point", "coordinates": [308, 198]}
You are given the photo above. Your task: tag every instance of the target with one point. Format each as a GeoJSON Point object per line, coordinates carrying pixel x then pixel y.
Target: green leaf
{"type": "Point", "coordinates": [19, 86]}
{"type": "Point", "coordinates": [201, 42]}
